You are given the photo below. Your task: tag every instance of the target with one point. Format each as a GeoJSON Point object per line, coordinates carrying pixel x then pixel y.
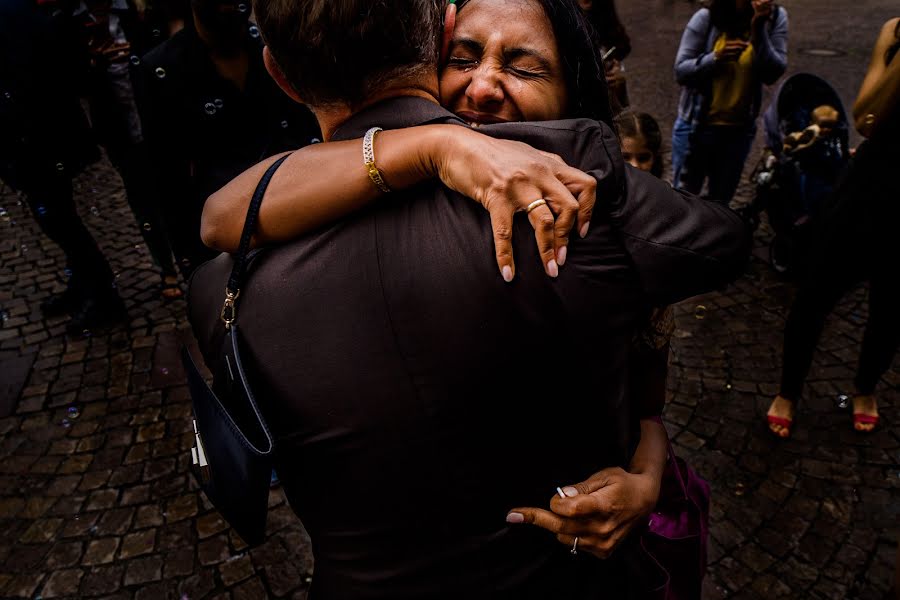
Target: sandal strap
{"type": "Point", "coordinates": [780, 421]}
{"type": "Point", "coordinates": [865, 419]}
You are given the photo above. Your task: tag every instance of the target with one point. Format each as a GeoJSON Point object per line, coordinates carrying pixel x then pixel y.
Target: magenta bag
{"type": "Point", "coordinates": [678, 530]}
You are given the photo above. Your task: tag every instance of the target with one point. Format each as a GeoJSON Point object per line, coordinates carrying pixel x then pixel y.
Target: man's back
{"type": "Point", "coordinates": [416, 397]}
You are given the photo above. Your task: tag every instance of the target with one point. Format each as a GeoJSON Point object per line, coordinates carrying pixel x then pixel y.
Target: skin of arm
{"type": "Point", "coordinates": [303, 196]}
{"type": "Point", "coordinates": [879, 94]}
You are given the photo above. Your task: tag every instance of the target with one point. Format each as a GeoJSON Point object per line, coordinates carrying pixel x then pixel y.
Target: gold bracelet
{"type": "Point", "coordinates": [369, 160]}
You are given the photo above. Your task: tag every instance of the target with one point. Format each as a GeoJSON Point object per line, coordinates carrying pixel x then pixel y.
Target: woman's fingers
{"type": "Point", "coordinates": [545, 235]}
{"type": "Point", "coordinates": [501, 223]}
{"type": "Point", "coordinates": [564, 205]}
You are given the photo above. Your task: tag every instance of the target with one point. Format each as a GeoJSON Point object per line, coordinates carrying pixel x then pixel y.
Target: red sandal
{"type": "Point", "coordinates": [786, 425]}
{"type": "Point", "coordinates": [864, 419]}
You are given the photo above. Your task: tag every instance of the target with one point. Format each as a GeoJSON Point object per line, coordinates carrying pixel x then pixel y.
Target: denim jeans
{"type": "Point", "coordinates": [710, 152]}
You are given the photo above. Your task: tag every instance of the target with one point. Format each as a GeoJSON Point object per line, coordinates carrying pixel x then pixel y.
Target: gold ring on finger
{"type": "Point", "coordinates": [535, 204]}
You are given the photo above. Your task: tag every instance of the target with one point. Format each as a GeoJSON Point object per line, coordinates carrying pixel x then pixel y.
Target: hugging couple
{"type": "Point", "coordinates": [455, 406]}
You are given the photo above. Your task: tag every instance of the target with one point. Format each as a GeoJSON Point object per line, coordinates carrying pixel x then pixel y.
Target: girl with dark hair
{"type": "Point", "coordinates": [641, 141]}
{"type": "Point", "coordinates": [857, 243]}
{"type": "Point", "coordinates": [728, 51]}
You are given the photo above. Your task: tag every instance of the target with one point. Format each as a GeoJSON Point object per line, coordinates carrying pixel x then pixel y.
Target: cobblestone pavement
{"type": "Point", "coordinates": [95, 495]}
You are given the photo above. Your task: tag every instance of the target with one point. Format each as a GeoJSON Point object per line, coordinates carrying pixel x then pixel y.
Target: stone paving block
{"type": "Point", "coordinates": [64, 554]}
{"type": "Point", "coordinates": [199, 585]}
{"type": "Point", "coordinates": [210, 524]}
{"type": "Point", "coordinates": [102, 499]}
{"type": "Point", "coordinates": [235, 570]}
{"type": "Point", "coordinates": [213, 550]}
{"type": "Point", "coordinates": [138, 544]}
{"type": "Point", "coordinates": [62, 583]}
{"type": "Point", "coordinates": [102, 580]}
{"type": "Point", "coordinates": [143, 570]}
{"type": "Point", "coordinates": [250, 590]}
{"type": "Point", "coordinates": [41, 531]}
{"type": "Point", "coordinates": [135, 495]}
{"type": "Point", "coordinates": [23, 585]}
{"type": "Point", "coordinates": [283, 578]}
{"type": "Point", "coordinates": [179, 563]}
{"type": "Point", "coordinates": [101, 551]}
{"type": "Point", "coordinates": [115, 522]}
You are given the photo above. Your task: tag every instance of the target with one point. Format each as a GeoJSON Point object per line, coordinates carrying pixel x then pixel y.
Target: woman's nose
{"type": "Point", "coordinates": [485, 90]}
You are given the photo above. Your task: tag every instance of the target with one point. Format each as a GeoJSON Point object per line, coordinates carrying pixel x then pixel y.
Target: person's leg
{"type": "Point", "coordinates": [834, 273]}
{"type": "Point", "coordinates": [680, 139]}
{"type": "Point", "coordinates": [880, 342]}
{"type": "Point", "coordinates": [732, 145]}
{"type": "Point", "coordinates": [49, 197]}
{"type": "Point", "coordinates": [90, 297]}
{"type": "Point", "coordinates": [131, 163]}
{"type": "Point", "coordinates": [695, 160]}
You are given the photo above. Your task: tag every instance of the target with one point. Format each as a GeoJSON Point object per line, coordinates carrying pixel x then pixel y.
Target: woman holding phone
{"type": "Point", "coordinates": [729, 50]}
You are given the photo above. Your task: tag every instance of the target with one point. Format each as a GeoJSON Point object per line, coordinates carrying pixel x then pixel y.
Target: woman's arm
{"type": "Point", "coordinates": [770, 44]}
{"type": "Point", "coordinates": [879, 95]}
{"type": "Point", "coordinates": [694, 64]}
{"type": "Point", "coordinates": [324, 182]}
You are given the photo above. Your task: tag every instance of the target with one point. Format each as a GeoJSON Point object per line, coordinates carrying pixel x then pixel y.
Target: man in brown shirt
{"type": "Point", "coordinates": [415, 397]}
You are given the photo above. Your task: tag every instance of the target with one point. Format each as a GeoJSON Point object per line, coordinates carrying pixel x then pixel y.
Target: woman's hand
{"type": "Point", "coordinates": [600, 511]}
{"type": "Point", "coordinates": [506, 177]}
{"type": "Point", "coordinates": [762, 9]}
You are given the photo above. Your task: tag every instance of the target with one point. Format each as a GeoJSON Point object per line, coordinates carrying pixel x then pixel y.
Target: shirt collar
{"type": "Point", "coordinates": [394, 113]}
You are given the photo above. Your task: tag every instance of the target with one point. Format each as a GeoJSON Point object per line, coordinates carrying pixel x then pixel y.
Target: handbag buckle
{"type": "Point", "coordinates": [229, 311]}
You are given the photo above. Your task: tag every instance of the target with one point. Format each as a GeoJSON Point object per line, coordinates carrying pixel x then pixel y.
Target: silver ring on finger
{"type": "Point", "coordinates": [574, 549]}
{"type": "Point", "coordinates": [535, 204]}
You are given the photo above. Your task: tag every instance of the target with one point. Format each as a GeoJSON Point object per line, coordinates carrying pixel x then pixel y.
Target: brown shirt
{"type": "Point", "coordinates": [416, 398]}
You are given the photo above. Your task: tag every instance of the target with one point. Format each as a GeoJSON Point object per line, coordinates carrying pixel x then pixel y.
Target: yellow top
{"type": "Point", "coordinates": [732, 88]}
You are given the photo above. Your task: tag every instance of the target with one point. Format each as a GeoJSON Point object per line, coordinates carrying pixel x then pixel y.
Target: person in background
{"type": "Point", "coordinates": [45, 140]}
{"type": "Point", "coordinates": [728, 51]}
{"type": "Point", "coordinates": [112, 37]}
{"type": "Point", "coordinates": [857, 242]}
{"type": "Point", "coordinates": [641, 141]}
{"type": "Point", "coordinates": [614, 41]}
{"type": "Point", "coordinates": [210, 111]}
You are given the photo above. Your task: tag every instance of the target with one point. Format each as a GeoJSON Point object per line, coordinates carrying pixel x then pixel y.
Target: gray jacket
{"type": "Point", "coordinates": [695, 62]}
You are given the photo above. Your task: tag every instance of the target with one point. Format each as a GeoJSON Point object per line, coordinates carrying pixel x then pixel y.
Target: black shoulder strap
{"type": "Point", "coordinates": [236, 280]}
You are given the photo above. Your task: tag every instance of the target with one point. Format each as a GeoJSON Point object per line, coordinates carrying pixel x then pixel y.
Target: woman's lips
{"type": "Point", "coordinates": [477, 119]}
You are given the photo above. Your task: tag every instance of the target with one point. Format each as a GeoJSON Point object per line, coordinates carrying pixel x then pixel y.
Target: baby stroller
{"type": "Point", "coordinates": [806, 135]}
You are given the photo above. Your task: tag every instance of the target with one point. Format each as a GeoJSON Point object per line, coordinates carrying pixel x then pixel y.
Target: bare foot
{"type": "Point", "coordinates": [784, 409]}
{"type": "Point", "coordinates": [864, 405]}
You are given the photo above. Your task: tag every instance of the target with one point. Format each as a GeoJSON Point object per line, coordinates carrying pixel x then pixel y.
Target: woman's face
{"type": "Point", "coordinates": [636, 153]}
{"type": "Point", "coordinates": [504, 64]}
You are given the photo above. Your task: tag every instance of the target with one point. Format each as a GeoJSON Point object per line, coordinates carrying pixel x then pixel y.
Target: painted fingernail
{"type": "Point", "coordinates": [584, 230]}
{"type": "Point", "coordinates": [515, 517]}
{"type": "Point", "coordinates": [570, 491]}
{"type": "Point", "coordinates": [561, 493]}
{"type": "Point", "coordinates": [507, 274]}
{"type": "Point", "coordinates": [561, 255]}
{"type": "Point", "coordinates": [552, 268]}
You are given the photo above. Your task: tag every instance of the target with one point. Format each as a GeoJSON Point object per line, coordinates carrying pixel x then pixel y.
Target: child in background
{"type": "Point", "coordinates": [641, 141]}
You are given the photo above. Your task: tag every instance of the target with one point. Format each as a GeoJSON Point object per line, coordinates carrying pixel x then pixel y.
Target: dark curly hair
{"type": "Point", "coordinates": [580, 54]}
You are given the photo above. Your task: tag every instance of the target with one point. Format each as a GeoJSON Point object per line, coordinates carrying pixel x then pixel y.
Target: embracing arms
{"type": "Point", "coordinates": [879, 95]}
{"type": "Point", "coordinates": [321, 183]}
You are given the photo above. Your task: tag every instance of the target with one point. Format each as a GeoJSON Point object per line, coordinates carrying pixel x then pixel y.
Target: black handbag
{"type": "Point", "coordinates": [233, 455]}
